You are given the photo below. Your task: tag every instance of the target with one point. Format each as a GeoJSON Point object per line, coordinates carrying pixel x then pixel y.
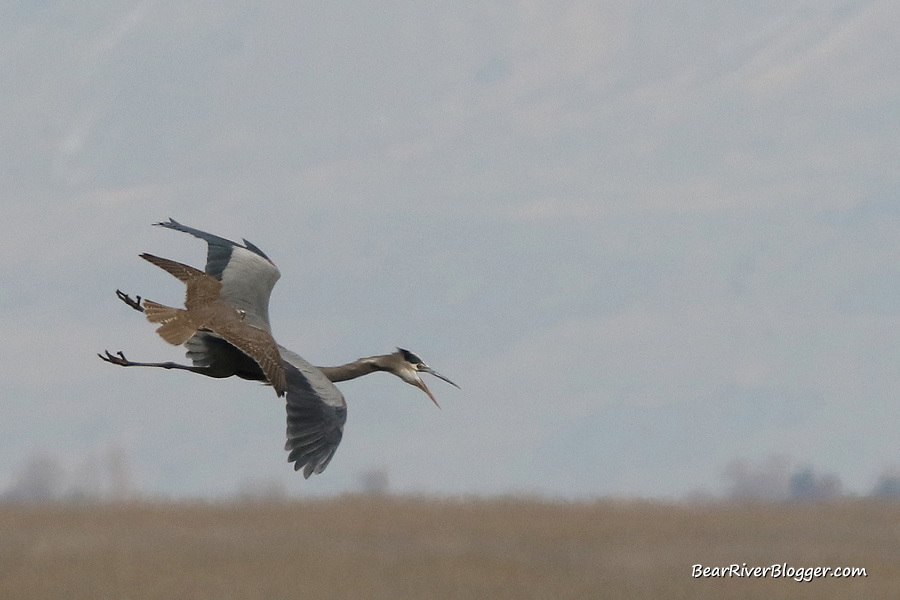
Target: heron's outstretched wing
{"type": "Point", "coordinates": [246, 273]}
{"type": "Point", "coordinates": [316, 413]}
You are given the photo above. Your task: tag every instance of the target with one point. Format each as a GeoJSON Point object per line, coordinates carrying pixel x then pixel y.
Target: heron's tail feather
{"type": "Point", "coordinates": [177, 326]}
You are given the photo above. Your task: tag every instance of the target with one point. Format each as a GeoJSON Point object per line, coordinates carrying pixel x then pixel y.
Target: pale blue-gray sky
{"type": "Point", "coordinates": [646, 238]}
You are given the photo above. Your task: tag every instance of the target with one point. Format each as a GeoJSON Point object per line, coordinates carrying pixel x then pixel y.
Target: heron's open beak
{"type": "Point", "coordinates": [424, 388]}
{"type": "Point", "coordinates": [421, 385]}
{"type": "Point", "coordinates": [427, 369]}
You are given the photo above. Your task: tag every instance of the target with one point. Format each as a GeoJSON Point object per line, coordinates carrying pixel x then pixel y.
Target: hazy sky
{"type": "Point", "coordinates": [646, 238]}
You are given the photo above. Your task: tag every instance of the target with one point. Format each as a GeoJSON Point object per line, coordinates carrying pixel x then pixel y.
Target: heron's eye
{"type": "Point", "coordinates": [420, 366]}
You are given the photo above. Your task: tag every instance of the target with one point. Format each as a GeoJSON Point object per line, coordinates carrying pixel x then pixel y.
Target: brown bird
{"type": "Point", "coordinates": [204, 310]}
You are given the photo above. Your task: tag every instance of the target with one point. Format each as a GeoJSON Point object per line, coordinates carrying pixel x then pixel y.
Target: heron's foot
{"type": "Point", "coordinates": [134, 303]}
{"type": "Point", "coordinates": [117, 359]}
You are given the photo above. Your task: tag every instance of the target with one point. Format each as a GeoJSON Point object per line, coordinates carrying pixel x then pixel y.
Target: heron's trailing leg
{"type": "Point", "coordinates": [133, 303]}
{"type": "Point", "coordinates": [119, 359]}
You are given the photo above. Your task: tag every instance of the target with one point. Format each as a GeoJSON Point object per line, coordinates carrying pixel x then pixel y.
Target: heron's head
{"type": "Point", "coordinates": [407, 367]}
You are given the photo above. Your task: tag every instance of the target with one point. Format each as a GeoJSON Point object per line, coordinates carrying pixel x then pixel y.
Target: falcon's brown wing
{"type": "Point", "coordinates": [256, 343]}
{"type": "Point", "coordinates": [180, 271]}
{"type": "Point", "coordinates": [202, 289]}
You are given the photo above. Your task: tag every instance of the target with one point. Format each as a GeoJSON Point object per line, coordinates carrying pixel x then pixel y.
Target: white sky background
{"type": "Point", "coordinates": [645, 238]}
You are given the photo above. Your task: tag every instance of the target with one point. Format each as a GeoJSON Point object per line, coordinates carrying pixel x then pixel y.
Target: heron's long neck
{"type": "Point", "coordinates": [357, 368]}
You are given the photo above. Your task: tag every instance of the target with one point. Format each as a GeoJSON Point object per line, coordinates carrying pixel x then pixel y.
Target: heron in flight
{"type": "Point", "coordinates": [225, 328]}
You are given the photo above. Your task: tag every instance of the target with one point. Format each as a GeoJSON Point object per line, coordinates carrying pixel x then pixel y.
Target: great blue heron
{"type": "Point", "coordinates": [225, 327]}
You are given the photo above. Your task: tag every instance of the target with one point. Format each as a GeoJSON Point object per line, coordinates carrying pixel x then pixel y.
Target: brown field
{"type": "Point", "coordinates": [399, 548]}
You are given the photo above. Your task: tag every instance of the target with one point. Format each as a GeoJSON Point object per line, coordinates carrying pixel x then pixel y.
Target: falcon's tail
{"type": "Point", "coordinates": [177, 326]}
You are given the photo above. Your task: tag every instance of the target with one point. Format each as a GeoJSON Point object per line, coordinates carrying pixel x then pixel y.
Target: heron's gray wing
{"type": "Point", "coordinates": [246, 273]}
{"type": "Point", "coordinates": [316, 413]}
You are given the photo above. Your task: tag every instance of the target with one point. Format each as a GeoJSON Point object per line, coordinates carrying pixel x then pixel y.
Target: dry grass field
{"type": "Point", "coordinates": [407, 548]}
